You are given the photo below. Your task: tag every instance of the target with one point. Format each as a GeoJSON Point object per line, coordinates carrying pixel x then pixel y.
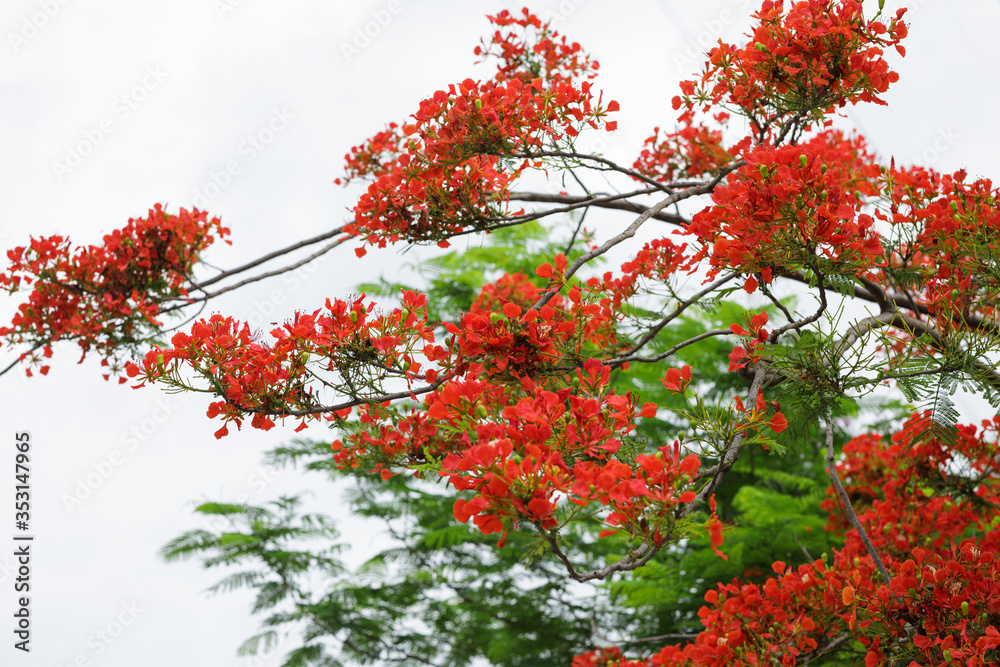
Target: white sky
{"type": "Point", "coordinates": [201, 76]}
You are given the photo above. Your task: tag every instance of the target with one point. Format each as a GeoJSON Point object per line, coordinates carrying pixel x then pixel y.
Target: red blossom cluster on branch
{"type": "Point", "coordinates": [105, 297]}
{"type": "Point", "coordinates": [787, 210]}
{"type": "Point", "coordinates": [952, 228]}
{"type": "Point", "coordinates": [816, 55]}
{"type": "Point", "coordinates": [942, 605]}
{"type": "Point", "coordinates": [511, 426]}
{"type": "Point", "coordinates": [345, 347]}
{"type": "Point", "coordinates": [689, 152]}
{"type": "Point", "coordinates": [517, 402]}
{"type": "Point", "coordinates": [452, 168]}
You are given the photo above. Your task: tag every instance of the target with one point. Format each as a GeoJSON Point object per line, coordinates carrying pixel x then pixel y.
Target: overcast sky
{"type": "Point", "coordinates": [110, 106]}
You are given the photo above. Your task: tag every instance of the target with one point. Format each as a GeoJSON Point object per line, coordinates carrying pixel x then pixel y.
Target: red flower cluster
{"type": "Point", "coordinates": [953, 228]}
{"type": "Point", "coordinates": [501, 335]}
{"type": "Point", "coordinates": [942, 605]}
{"type": "Point", "coordinates": [451, 169]}
{"type": "Point", "coordinates": [940, 549]}
{"type": "Point", "coordinates": [545, 53]}
{"type": "Point", "coordinates": [819, 54]}
{"type": "Point", "coordinates": [345, 348]}
{"type": "Point", "coordinates": [774, 623]}
{"type": "Point", "coordinates": [602, 657]}
{"type": "Point", "coordinates": [787, 210]}
{"type": "Point", "coordinates": [516, 431]}
{"type": "Point", "coordinates": [372, 158]}
{"type": "Point", "coordinates": [104, 297]}
{"type": "Point", "coordinates": [658, 260]}
{"type": "Point", "coordinates": [689, 152]}
{"type": "Point", "coordinates": [561, 443]}
{"type": "Point", "coordinates": [741, 356]}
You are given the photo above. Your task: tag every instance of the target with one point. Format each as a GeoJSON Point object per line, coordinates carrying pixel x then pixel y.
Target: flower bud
{"type": "Point", "coordinates": [965, 608]}
{"type": "Point", "coordinates": [804, 161]}
{"type": "Point", "coordinates": [478, 103]}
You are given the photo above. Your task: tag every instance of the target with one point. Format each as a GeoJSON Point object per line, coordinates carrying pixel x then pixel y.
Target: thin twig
{"type": "Point", "coordinates": [269, 274]}
{"type": "Point", "coordinates": [617, 202]}
{"type": "Point", "coordinates": [268, 257]}
{"type": "Point", "coordinates": [631, 230]}
{"type": "Point", "coordinates": [598, 159]}
{"type": "Point", "coordinates": [852, 517]}
{"type": "Point", "coordinates": [805, 551]}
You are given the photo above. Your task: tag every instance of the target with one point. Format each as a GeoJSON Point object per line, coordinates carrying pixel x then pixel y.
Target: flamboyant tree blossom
{"type": "Point", "coordinates": [514, 404]}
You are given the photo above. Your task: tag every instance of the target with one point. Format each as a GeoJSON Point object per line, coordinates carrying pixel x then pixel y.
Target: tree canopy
{"type": "Point", "coordinates": [741, 438]}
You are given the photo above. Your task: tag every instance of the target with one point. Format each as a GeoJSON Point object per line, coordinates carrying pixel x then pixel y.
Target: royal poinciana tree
{"type": "Point", "coordinates": [855, 276]}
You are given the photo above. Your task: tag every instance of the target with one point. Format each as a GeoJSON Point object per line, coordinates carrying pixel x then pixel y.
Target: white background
{"type": "Point", "coordinates": [223, 68]}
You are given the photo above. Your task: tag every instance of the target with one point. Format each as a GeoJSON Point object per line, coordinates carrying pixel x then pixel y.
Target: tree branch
{"type": "Point", "coordinates": [609, 202]}
{"type": "Point", "coordinates": [852, 518]}
{"type": "Point", "coordinates": [268, 257]}
{"type": "Point", "coordinates": [631, 230]}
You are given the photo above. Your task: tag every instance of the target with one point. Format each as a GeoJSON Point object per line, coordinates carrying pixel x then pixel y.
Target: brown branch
{"type": "Point", "coordinates": [760, 375]}
{"type": "Point", "coordinates": [729, 456]}
{"type": "Point", "coordinates": [651, 334]}
{"type": "Point", "coordinates": [912, 326]}
{"type": "Point", "coordinates": [681, 307]}
{"type": "Point", "coordinates": [672, 351]}
{"type": "Point", "coordinates": [268, 274]}
{"type": "Point", "coordinates": [805, 551]}
{"type": "Point", "coordinates": [633, 560]}
{"type": "Point", "coordinates": [268, 257]}
{"type": "Point", "coordinates": [325, 409]}
{"type": "Point", "coordinates": [852, 517]}
{"type": "Point", "coordinates": [829, 648]}
{"type": "Point", "coordinates": [577, 201]}
{"type": "Point", "coordinates": [612, 166]}
{"type": "Point", "coordinates": [631, 230]}
{"type": "Point", "coordinates": [903, 301]}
